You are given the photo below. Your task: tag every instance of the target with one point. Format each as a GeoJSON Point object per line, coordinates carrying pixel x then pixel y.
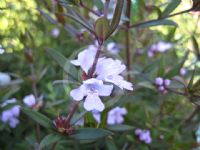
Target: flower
{"type": "Point", "coordinates": [92, 89]}
{"type": "Point", "coordinates": [4, 78]}
{"type": "Point", "coordinates": [55, 32]}
{"type": "Point", "coordinates": [115, 115]}
{"type": "Point", "coordinates": [96, 115]}
{"type": "Point", "coordinates": [162, 84]}
{"type": "Point", "coordinates": [143, 135]}
{"type": "Point", "coordinates": [29, 100]}
{"type": "Point", "coordinates": [109, 69]}
{"type": "Point", "coordinates": [159, 47]}
{"type": "Point", "coordinates": [183, 71]}
{"type": "Point", "coordinates": [11, 115]}
{"type": "Point", "coordinates": [1, 50]}
{"type": "Point", "coordinates": [113, 48]}
{"type": "Point", "coordinates": [86, 58]}
{"type": "Point", "coordinates": [159, 81]}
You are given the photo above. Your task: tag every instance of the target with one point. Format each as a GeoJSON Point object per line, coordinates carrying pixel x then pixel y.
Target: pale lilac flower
{"type": "Point", "coordinates": [167, 82]}
{"type": "Point", "coordinates": [109, 70]}
{"type": "Point", "coordinates": [116, 115]}
{"type": "Point", "coordinates": [80, 122]}
{"type": "Point", "coordinates": [162, 84]}
{"type": "Point", "coordinates": [159, 81]}
{"type": "Point", "coordinates": [11, 115]}
{"type": "Point", "coordinates": [163, 46]}
{"type": "Point", "coordinates": [55, 32]}
{"type": "Point", "coordinates": [92, 89]}
{"type": "Point", "coordinates": [1, 50]}
{"type": "Point", "coordinates": [159, 47]}
{"type": "Point", "coordinates": [29, 100]}
{"type": "Point", "coordinates": [183, 71]}
{"type": "Point", "coordinates": [144, 135]}
{"type": "Point", "coordinates": [4, 78]}
{"type": "Point", "coordinates": [86, 58]}
{"type": "Point", "coordinates": [113, 48]}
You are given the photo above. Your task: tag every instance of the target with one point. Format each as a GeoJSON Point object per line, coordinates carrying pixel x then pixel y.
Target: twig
{"type": "Point", "coordinates": [172, 15]}
{"type": "Point", "coordinates": [127, 39]}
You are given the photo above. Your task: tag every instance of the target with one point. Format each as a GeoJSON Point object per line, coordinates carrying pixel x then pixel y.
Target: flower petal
{"type": "Point", "coordinates": [78, 94]}
{"type": "Point", "coordinates": [105, 90]}
{"type": "Point", "coordinates": [93, 102]}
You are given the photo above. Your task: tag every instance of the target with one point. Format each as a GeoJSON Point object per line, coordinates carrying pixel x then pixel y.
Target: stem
{"type": "Point", "coordinates": [72, 111]}
{"type": "Point", "coordinates": [172, 15]}
{"type": "Point", "coordinates": [106, 6]}
{"type": "Point", "coordinates": [87, 8]}
{"type": "Point", "coordinates": [127, 39]}
{"type": "Point", "coordinates": [92, 70]}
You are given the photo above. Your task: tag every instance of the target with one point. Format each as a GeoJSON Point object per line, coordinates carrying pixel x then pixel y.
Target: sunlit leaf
{"type": "Point", "coordinates": [171, 7]}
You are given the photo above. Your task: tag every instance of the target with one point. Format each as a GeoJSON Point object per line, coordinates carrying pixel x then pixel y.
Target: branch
{"type": "Point", "coordinates": [172, 15]}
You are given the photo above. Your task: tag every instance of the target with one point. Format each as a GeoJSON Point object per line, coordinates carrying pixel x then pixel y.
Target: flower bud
{"type": "Point", "coordinates": [167, 82]}
{"type": "Point", "coordinates": [159, 81]}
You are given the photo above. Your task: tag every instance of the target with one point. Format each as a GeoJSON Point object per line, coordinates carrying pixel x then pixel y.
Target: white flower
{"type": "Point", "coordinates": [92, 89]}
{"type": "Point", "coordinates": [115, 116]}
{"type": "Point", "coordinates": [108, 70]}
{"type": "Point", "coordinates": [113, 48]}
{"type": "Point", "coordinates": [55, 32]}
{"type": "Point", "coordinates": [29, 100]}
{"type": "Point", "coordinates": [86, 58]}
{"type": "Point", "coordinates": [1, 50]}
{"type": "Point", "coordinates": [4, 78]}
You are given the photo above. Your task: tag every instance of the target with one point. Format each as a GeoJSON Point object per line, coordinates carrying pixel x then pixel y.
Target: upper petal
{"type": "Point", "coordinates": [105, 90]}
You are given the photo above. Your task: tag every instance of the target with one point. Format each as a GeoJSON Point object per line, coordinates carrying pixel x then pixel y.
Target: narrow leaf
{"type": "Point", "coordinates": [90, 134]}
{"type": "Point", "coordinates": [116, 16]}
{"type": "Point", "coordinates": [171, 7]}
{"type": "Point", "coordinates": [49, 139]}
{"type": "Point", "coordinates": [157, 23]}
{"type": "Point", "coordinates": [120, 127]}
{"type": "Point", "coordinates": [38, 117]}
{"type": "Point", "coordinates": [64, 63]}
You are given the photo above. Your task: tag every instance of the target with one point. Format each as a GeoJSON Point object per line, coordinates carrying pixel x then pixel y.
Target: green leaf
{"type": "Point", "coordinates": [50, 139]}
{"type": "Point", "coordinates": [146, 84]}
{"type": "Point", "coordinates": [157, 23]}
{"type": "Point", "coordinates": [117, 15]}
{"type": "Point", "coordinates": [64, 63]}
{"type": "Point", "coordinates": [102, 28]}
{"type": "Point", "coordinates": [196, 47]}
{"type": "Point", "coordinates": [90, 134]}
{"type": "Point", "coordinates": [47, 16]}
{"type": "Point", "coordinates": [110, 144]}
{"type": "Point", "coordinates": [38, 117]}
{"type": "Point", "coordinates": [175, 70]}
{"type": "Point", "coordinates": [121, 128]}
{"type": "Point", "coordinates": [171, 7]}
{"type": "Point", "coordinates": [161, 69]}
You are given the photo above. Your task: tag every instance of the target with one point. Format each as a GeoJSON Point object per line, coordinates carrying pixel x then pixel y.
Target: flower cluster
{"type": "Point", "coordinates": [11, 115]}
{"type": "Point", "coordinates": [115, 115]}
{"type": "Point", "coordinates": [143, 135]}
{"type": "Point", "coordinates": [159, 47]}
{"type": "Point", "coordinates": [106, 70]}
{"type": "Point", "coordinates": [162, 84]}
